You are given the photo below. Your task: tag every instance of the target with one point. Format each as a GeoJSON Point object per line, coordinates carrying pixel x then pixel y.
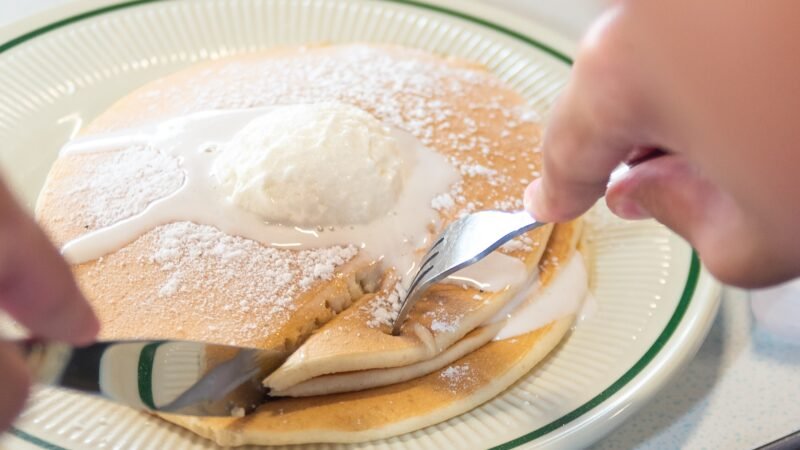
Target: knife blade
{"type": "Point", "coordinates": [170, 376]}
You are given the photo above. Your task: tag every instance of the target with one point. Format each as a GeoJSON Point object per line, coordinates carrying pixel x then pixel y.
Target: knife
{"type": "Point", "coordinates": [179, 377]}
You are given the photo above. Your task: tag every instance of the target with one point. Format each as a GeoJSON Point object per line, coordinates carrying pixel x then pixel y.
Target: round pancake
{"type": "Point", "coordinates": [454, 107]}
{"type": "Point", "coordinates": [173, 283]}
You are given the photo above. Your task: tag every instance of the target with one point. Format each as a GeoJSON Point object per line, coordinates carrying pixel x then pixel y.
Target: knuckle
{"type": "Point", "coordinates": [733, 265]}
{"type": "Point", "coordinates": [607, 69]}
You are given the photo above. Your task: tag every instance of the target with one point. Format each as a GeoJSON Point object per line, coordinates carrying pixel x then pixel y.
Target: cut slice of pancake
{"type": "Point", "coordinates": [352, 341]}
{"type": "Point", "coordinates": [399, 408]}
{"type": "Point", "coordinates": [366, 379]}
{"type": "Point", "coordinates": [391, 410]}
{"type": "Point", "coordinates": [352, 381]}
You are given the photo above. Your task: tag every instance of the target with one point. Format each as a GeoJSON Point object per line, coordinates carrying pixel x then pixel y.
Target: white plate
{"type": "Point", "coordinates": [655, 301]}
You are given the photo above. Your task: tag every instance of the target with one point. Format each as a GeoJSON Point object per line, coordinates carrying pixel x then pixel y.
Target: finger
{"type": "Point", "coordinates": [671, 191]}
{"type": "Point", "coordinates": [36, 284]}
{"type": "Point", "coordinates": [667, 189]}
{"type": "Point", "coordinates": [14, 384]}
{"type": "Point", "coordinates": [597, 122]}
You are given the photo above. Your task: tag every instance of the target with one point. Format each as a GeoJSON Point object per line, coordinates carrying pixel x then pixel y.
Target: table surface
{"type": "Point", "coordinates": [740, 391]}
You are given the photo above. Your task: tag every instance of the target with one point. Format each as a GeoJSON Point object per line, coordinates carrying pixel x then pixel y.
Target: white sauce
{"type": "Point", "coordinates": [565, 295]}
{"type": "Point", "coordinates": [392, 238]}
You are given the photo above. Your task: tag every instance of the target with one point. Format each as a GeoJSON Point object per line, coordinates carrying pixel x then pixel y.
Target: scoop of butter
{"type": "Point", "coordinates": [318, 164]}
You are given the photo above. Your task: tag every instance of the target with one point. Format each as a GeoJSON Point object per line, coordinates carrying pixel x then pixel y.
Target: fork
{"type": "Point", "coordinates": [463, 243]}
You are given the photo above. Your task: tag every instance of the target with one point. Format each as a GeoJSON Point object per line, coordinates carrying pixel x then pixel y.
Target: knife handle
{"type": "Point", "coordinates": [60, 364]}
{"type": "Point", "coordinates": [45, 360]}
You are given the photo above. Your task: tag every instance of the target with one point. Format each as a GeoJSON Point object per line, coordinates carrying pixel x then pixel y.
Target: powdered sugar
{"type": "Point", "coordinates": [456, 375]}
{"type": "Point", "coordinates": [443, 326]}
{"type": "Point", "coordinates": [359, 76]}
{"type": "Point", "coordinates": [171, 287]}
{"type": "Point", "coordinates": [186, 247]}
{"type": "Point", "coordinates": [472, 170]}
{"type": "Point", "coordinates": [443, 202]}
{"type": "Point", "coordinates": [122, 184]}
{"type": "Point", "coordinates": [384, 307]}
{"type": "Point", "coordinates": [199, 260]}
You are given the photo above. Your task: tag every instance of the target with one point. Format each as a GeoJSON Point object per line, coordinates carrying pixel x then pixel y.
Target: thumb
{"type": "Point", "coordinates": [676, 194]}
{"type": "Point", "coordinates": [669, 190]}
{"type": "Point", "coordinates": [36, 285]}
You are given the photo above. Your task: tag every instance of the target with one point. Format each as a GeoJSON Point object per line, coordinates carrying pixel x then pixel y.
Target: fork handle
{"type": "Point", "coordinates": [523, 221]}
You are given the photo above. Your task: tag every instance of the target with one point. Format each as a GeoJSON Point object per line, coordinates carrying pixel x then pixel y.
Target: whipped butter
{"type": "Point", "coordinates": [317, 164]}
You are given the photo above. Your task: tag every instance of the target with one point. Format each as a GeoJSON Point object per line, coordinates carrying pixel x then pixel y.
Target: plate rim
{"type": "Point", "coordinates": [561, 51]}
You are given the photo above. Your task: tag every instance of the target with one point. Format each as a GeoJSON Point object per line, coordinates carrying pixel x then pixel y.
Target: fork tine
{"type": "Point", "coordinates": [415, 282]}
{"type": "Point", "coordinates": [405, 308]}
{"type": "Point", "coordinates": [428, 258]}
{"type": "Point", "coordinates": [437, 243]}
{"type": "Point", "coordinates": [411, 294]}
{"type": "Point", "coordinates": [410, 298]}
{"type": "Point", "coordinates": [423, 267]}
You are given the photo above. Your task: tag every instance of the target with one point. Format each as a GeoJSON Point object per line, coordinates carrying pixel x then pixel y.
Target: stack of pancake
{"type": "Point", "coordinates": [345, 377]}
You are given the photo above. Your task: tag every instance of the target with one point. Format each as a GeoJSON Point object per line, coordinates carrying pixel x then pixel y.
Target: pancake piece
{"type": "Point", "coordinates": [355, 340]}
{"type": "Point", "coordinates": [563, 242]}
{"type": "Point", "coordinates": [387, 411]}
{"type": "Point", "coordinates": [366, 379]}
{"type": "Point", "coordinates": [399, 408]}
{"type": "Point", "coordinates": [178, 281]}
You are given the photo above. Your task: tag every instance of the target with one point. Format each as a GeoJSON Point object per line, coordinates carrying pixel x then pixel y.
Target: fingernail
{"type": "Point", "coordinates": [628, 208]}
{"type": "Point", "coordinates": [530, 198]}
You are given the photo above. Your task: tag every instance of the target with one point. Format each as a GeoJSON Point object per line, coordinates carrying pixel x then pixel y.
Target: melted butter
{"type": "Point", "coordinates": [195, 140]}
{"type": "Point", "coordinates": [533, 308]}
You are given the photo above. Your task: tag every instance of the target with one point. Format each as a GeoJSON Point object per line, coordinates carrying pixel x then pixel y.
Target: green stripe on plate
{"type": "Point", "coordinates": [674, 321]}
{"type": "Point", "coordinates": [33, 439]}
{"type": "Point", "coordinates": [663, 338]}
{"type": "Point", "coordinates": [145, 374]}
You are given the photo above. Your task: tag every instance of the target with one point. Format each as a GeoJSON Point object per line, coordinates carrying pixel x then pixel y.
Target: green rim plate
{"type": "Point", "coordinates": [638, 367]}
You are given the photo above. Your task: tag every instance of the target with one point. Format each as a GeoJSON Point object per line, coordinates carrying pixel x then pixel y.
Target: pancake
{"type": "Point", "coordinates": [160, 286]}
{"type": "Point", "coordinates": [399, 408]}
{"type": "Point", "coordinates": [187, 280]}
